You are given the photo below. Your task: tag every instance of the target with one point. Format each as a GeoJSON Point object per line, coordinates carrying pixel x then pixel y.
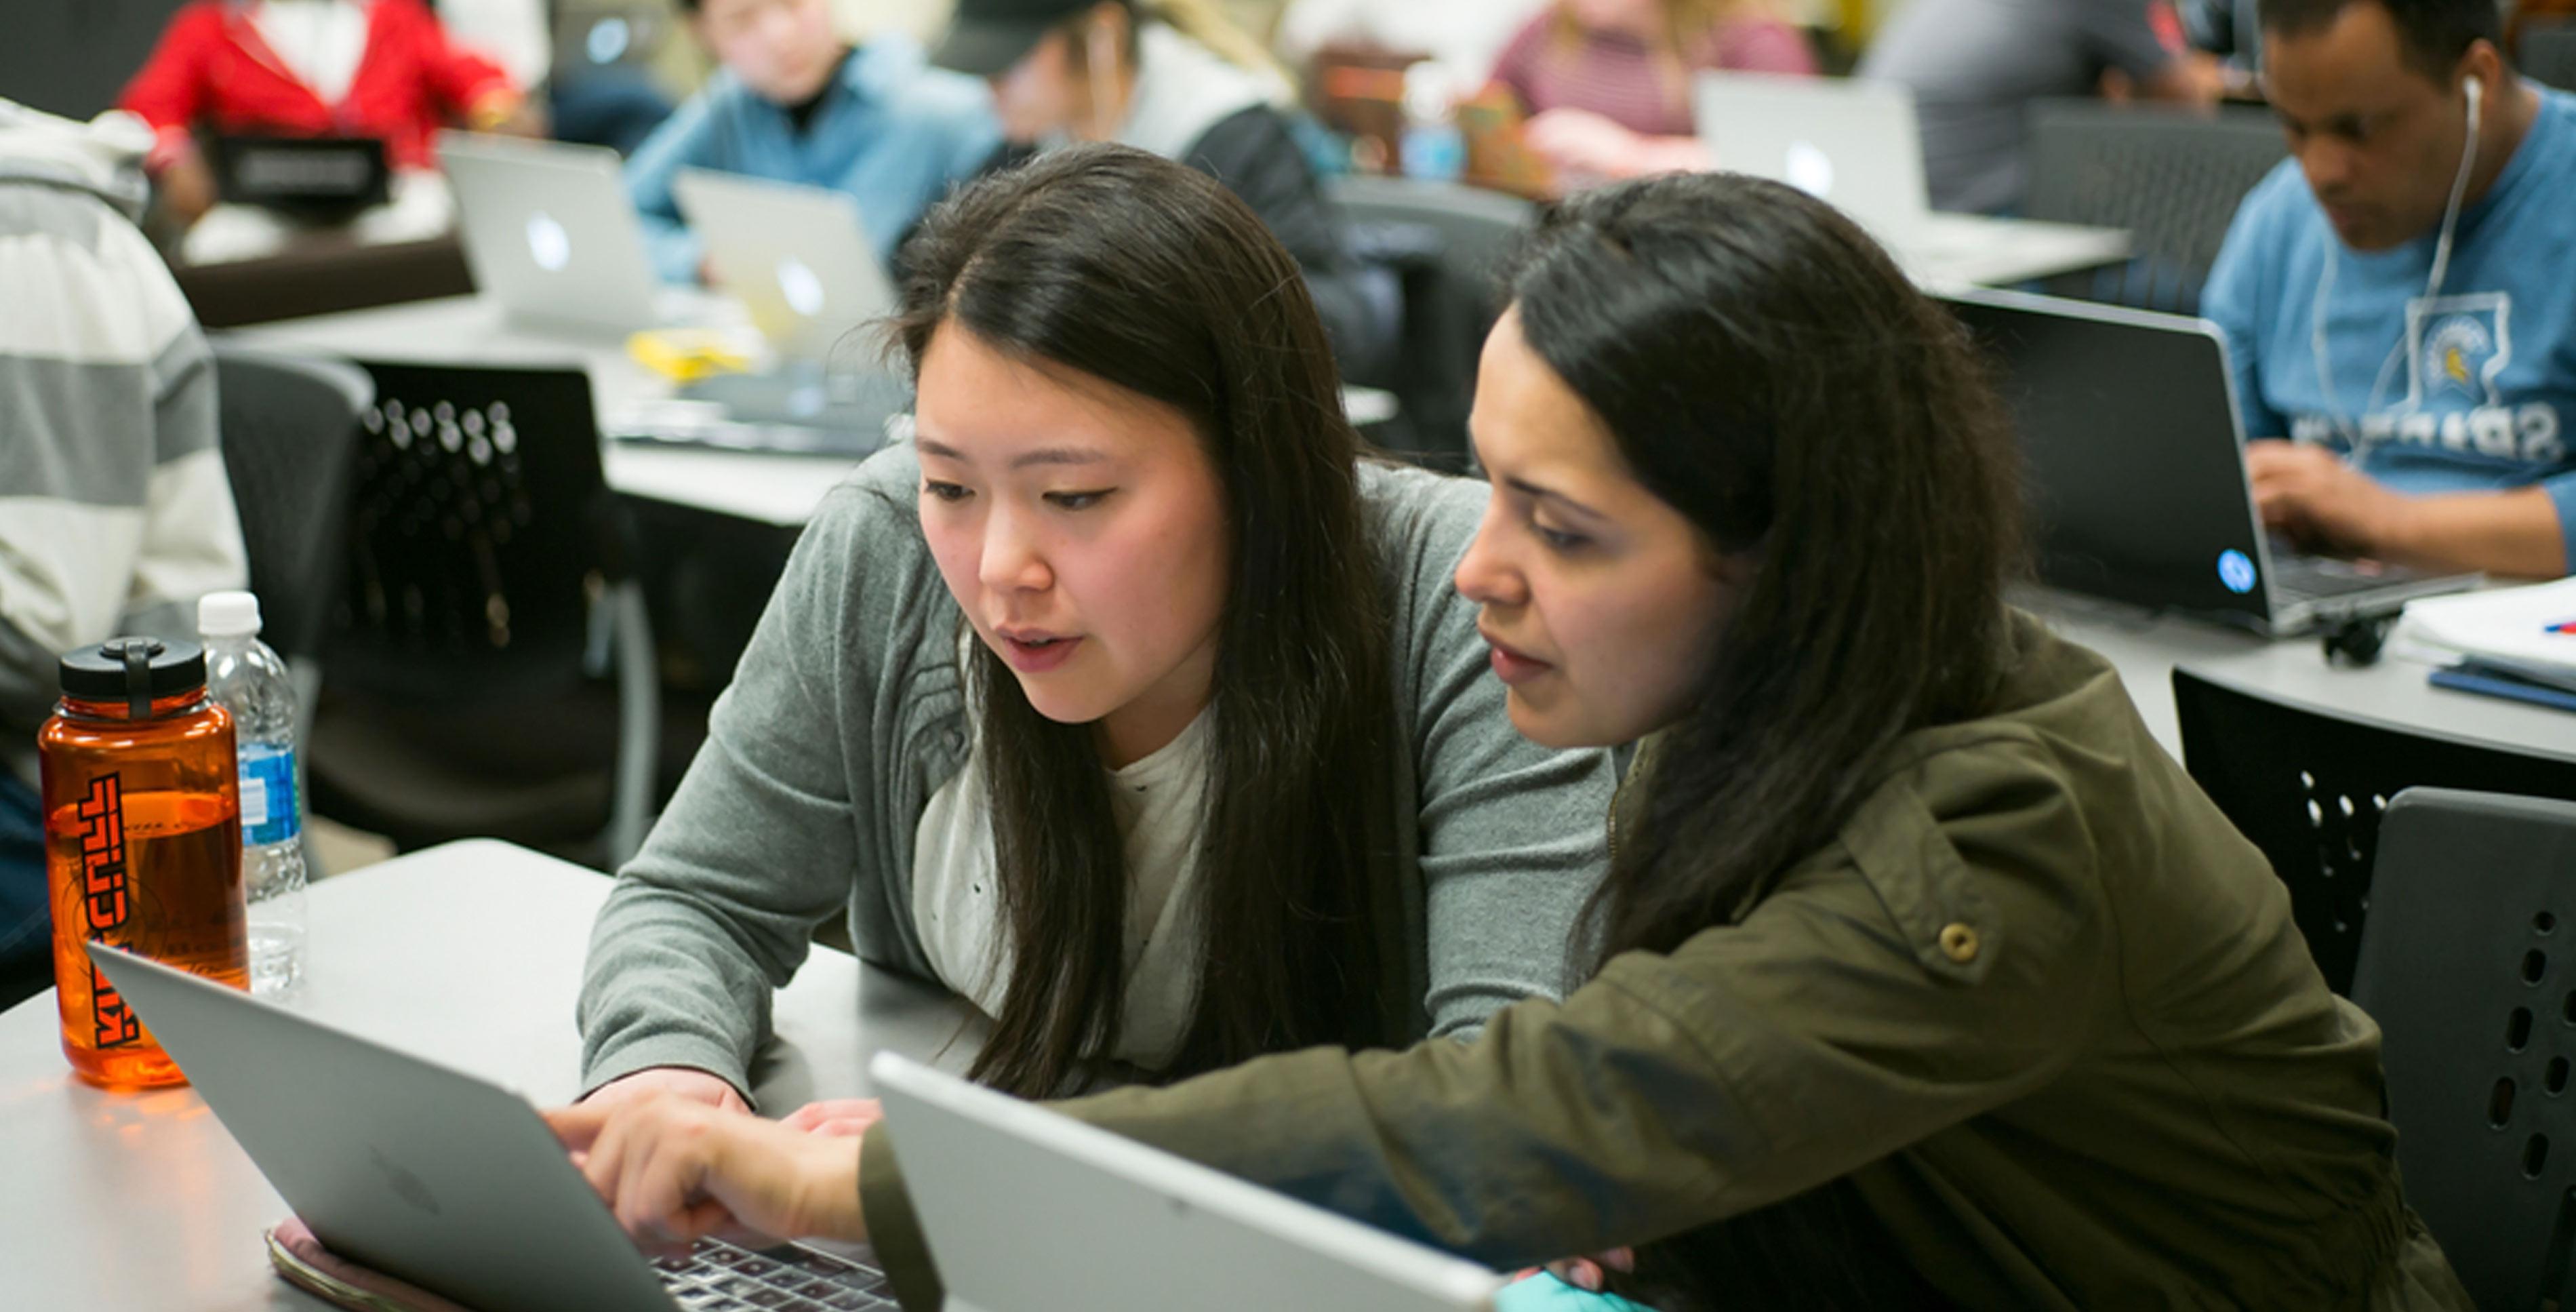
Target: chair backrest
{"type": "Point", "coordinates": [2172, 178]}
{"type": "Point", "coordinates": [1450, 301]}
{"type": "Point", "coordinates": [290, 432]}
{"type": "Point", "coordinates": [2310, 788]}
{"type": "Point", "coordinates": [480, 530]}
{"type": "Point", "coordinates": [2470, 970]}
{"type": "Point", "coordinates": [2547, 53]}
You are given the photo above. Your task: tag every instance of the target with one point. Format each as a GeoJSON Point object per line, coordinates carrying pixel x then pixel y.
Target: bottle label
{"type": "Point", "coordinates": [268, 810]}
{"type": "Point", "coordinates": [105, 896]}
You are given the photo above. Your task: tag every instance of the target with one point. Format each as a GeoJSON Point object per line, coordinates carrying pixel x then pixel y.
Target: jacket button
{"type": "Point", "coordinates": [1959, 943]}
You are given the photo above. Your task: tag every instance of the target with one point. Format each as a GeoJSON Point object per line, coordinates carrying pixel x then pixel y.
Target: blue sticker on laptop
{"type": "Point", "coordinates": [2236, 570]}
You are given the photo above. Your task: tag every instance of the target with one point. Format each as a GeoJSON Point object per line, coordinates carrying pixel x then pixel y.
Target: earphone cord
{"type": "Point", "coordinates": [2432, 288]}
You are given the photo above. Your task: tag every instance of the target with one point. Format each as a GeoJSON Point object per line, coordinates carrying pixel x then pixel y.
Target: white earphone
{"type": "Point", "coordinates": [2475, 91]}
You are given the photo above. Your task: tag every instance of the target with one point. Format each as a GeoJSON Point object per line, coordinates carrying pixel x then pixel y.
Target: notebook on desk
{"type": "Point", "coordinates": [2136, 471]}
{"type": "Point", "coordinates": [550, 234]}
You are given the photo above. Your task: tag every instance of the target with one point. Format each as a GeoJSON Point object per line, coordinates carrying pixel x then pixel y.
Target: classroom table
{"type": "Point", "coordinates": [2393, 693]}
{"type": "Point", "coordinates": [776, 490]}
{"type": "Point", "coordinates": [468, 954]}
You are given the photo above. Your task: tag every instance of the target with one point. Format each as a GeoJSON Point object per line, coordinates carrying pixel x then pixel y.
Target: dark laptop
{"type": "Point", "coordinates": [2134, 462]}
{"type": "Point", "coordinates": [317, 179]}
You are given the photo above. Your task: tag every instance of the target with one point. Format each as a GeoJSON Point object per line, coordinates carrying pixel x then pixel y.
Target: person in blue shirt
{"type": "Point", "coordinates": [2399, 306]}
{"type": "Point", "coordinates": [794, 102]}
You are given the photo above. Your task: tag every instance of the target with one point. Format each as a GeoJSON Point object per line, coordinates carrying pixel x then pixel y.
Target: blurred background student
{"type": "Point", "coordinates": [1174, 78]}
{"type": "Point", "coordinates": [385, 69]}
{"type": "Point", "coordinates": [1607, 83]}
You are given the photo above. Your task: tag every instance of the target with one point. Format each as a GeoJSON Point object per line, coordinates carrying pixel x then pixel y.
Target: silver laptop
{"type": "Point", "coordinates": [440, 1179]}
{"type": "Point", "coordinates": [797, 257]}
{"type": "Point", "coordinates": [2134, 458]}
{"type": "Point", "coordinates": [550, 234]}
{"type": "Point", "coordinates": [1855, 143]}
{"type": "Point", "coordinates": [1029, 1211]}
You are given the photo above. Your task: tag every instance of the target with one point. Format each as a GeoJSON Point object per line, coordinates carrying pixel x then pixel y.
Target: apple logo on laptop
{"type": "Point", "coordinates": [548, 244]}
{"type": "Point", "coordinates": [406, 1186]}
{"type": "Point", "coordinates": [803, 290]}
{"type": "Point", "coordinates": [1809, 170]}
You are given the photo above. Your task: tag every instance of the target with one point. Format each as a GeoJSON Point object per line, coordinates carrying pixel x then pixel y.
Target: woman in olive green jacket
{"type": "Point", "coordinates": [1925, 975]}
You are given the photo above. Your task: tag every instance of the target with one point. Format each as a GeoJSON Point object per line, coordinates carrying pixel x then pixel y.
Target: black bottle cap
{"type": "Point", "coordinates": [136, 671]}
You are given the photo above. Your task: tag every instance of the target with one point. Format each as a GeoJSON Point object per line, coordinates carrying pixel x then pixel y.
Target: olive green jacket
{"type": "Point", "coordinates": [2038, 1007]}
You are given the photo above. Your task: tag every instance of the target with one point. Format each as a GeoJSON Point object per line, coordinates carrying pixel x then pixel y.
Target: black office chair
{"type": "Point", "coordinates": [2547, 53]}
{"type": "Point", "coordinates": [2309, 789]}
{"type": "Point", "coordinates": [289, 426]}
{"type": "Point", "coordinates": [290, 435]}
{"type": "Point", "coordinates": [487, 595]}
{"type": "Point", "coordinates": [2172, 178]}
{"type": "Point", "coordinates": [2470, 969]}
{"type": "Point", "coordinates": [1448, 244]}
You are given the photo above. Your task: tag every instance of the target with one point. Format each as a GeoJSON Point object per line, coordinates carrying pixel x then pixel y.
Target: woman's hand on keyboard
{"type": "Point", "coordinates": [675, 1170]}
{"type": "Point", "coordinates": [686, 1081]}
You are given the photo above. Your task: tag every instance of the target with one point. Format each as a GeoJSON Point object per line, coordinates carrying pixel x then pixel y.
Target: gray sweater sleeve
{"type": "Point", "coordinates": [1513, 836]}
{"type": "Point", "coordinates": [764, 838]}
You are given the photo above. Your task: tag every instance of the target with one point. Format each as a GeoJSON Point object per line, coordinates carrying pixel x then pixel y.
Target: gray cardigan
{"type": "Point", "coordinates": [845, 715]}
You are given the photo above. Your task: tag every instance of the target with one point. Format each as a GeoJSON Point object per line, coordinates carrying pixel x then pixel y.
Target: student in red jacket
{"type": "Point", "coordinates": [372, 68]}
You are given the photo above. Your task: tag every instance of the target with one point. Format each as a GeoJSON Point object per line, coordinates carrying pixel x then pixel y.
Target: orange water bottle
{"type": "Point", "coordinates": [142, 841]}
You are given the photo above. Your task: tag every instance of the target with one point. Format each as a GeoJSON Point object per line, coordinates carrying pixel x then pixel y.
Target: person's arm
{"type": "Point", "coordinates": [1254, 154]}
{"type": "Point", "coordinates": [2124, 36]}
{"type": "Point", "coordinates": [1513, 836]}
{"type": "Point", "coordinates": [114, 508]}
{"type": "Point", "coordinates": [2243, 293]}
{"type": "Point", "coordinates": [169, 93]}
{"type": "Point", "coordinates": [471, 87]}
{"type": "Point", "coordinates": [1757, 1061]}
{"type": "Point", "coordinates": [684, 140]}
{"type": "Point", "coordinates": [768, 830]}
{"type": "Point", "coordinates": [2327, 505]}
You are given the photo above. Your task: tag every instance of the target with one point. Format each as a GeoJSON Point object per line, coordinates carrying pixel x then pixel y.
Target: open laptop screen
{"type": "Point", "coordinates": [2131, 460]}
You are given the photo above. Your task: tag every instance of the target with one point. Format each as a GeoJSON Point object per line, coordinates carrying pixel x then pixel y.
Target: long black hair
{"type": "Point", "coordinates": [1148, 275]}
{"type": "Point", "coordinates": [1767, 371]}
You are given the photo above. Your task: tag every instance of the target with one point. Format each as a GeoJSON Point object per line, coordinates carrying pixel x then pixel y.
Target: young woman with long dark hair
{"type": "Point", "coordinates": [1925, 976]}
{"type": "Point", "coordinates": [1129, 701]}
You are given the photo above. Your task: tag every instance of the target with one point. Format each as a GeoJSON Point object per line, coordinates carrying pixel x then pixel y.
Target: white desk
{"type": "Point", "coordinates": [1951, 251]}
{"type": "Point", "coordinates": [471, 330]}
{"type": "Point", "coordinates": [468, 954]}
{"type": "Point", "coordinates": [2393, 693]}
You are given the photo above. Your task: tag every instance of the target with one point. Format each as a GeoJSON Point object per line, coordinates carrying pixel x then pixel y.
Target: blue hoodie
{"type": "Point", "coordinates": [2469, 391]}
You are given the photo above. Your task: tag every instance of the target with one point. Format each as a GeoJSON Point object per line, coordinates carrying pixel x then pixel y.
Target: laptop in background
{"type": "Point", "coordinates": [439, 1179]}
{"type": "Point", "coordinates": [1855, 143]}
{"type": "Point", "coordinates": [550, 234]}
{"type": "Point", "coordinates": [1030, 1211]}
{"type": "Point", "coordinates": [797, 257]}
{"type": "Point", "coordinates": [2134, 461]}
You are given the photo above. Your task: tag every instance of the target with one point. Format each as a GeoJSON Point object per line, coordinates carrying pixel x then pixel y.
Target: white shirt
{"type": "Point", "coordinates": [321, 41]}
{"type": "Point", "coordinates": [1158, 806]}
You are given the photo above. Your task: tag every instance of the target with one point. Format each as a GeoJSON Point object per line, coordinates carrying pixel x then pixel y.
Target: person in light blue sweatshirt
{"type": "Point", "coordinates": [2398, 306]}
{"type": "Point", "coordinates": [793, 102]}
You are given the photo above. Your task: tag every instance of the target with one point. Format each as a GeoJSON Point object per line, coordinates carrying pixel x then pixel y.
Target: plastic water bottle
{"type": "Point", "coordinates": [247, 679]}
{"type": "Point", "coordinates": [1434, 148]}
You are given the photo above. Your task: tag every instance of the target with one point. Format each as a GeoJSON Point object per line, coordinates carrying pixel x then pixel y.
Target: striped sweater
{"type": "Point", "coordinates": [114, 510]}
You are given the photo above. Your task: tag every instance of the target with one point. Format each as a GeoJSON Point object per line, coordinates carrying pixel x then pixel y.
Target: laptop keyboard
{"type": "Point", "coordinates": [2316, 578]}
{"type": "Point", "coordinates": [717, 1276]}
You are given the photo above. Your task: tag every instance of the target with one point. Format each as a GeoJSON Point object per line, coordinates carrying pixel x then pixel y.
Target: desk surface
{"type": "Point", "coordinates": [2393, 693]}
{"type": "Point", "coordinates": [769, 489]}
{"type": "Point", "coordinates": [468, 954]}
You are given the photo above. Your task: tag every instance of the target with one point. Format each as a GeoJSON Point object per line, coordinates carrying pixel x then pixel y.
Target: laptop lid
{"type": "Point", "coordinates": [1849, 142]}
{"type": "Point", "coordinates": [797, 257]}
{"type": "Point", "coordinates": [2131, 452]}
{"type": "Point", "coordinates": [549, 232]}
{"type": "Point", "coordinates": [320, 179]}
{"type": "Point", "coordinates": [1029, 1211]}
{"type": "Point", "coordinates": [421, 1172]}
